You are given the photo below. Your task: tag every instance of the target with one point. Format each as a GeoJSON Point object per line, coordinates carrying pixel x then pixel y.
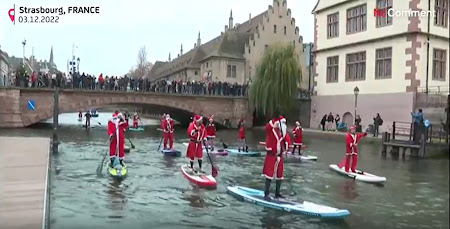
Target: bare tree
{"type": "Point", "coordinates": [143, 66]}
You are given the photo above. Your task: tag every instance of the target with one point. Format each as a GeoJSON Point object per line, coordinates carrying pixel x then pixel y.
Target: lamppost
{"type": "Point", "coordinates": [24, 42]}
{"type": "Point", "coordinates": [356, 92]}
{"type": "Point", "coordinates": [78, 64]}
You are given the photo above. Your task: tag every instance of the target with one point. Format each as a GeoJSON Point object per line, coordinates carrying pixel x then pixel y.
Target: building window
{"type": "Point", "coordinates": [249, 51]}
{"type": "Point", "coordinates": [441, 15]}
{"type": "Point", "coordinates": [231, 71]}
{"type": "Point", "coordinates": [274, 28]}
{"type": "Point", "coordinates": [356, 66]}
{"type": "Point", "coordinates": [333, 25]}
{"type": "Point", "coordinates": [439, 63]}
{"type": "Point", "coordinates": [384, 6]}
{"type": "Point", "coordinates": [285, 30]}
{"type": "Point", "coordinates": [195, 73]}
{"type": "Point", "coordinates": [207, 64]}
{"type": "Point", "coordinates": [383, 63]}
{"type": "Point", "coordinates": [357, 19]}
{"type": "Point", "coordinates": [332, 69]}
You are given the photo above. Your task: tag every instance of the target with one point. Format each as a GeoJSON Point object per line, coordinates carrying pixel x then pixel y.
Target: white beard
{"type": "Point", "coordinates": [283, 129]}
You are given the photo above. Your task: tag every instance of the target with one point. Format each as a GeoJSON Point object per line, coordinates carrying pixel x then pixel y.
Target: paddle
{"type": "Point", "coordinates": [160, 142]}
{"type": "Point", "coordinates": [214, 171]}
{"type": "Point", "coordinates": [100, 166]}
{"type": "Point", "coordinates": [225, 146]}
{"type": "Point", "coordinates": [132, 145]}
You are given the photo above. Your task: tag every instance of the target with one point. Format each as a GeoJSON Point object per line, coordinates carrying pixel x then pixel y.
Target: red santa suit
{"type": "Point", "coordinates": [273, 163]}
{"type": "Point", "coordinates": [168, 132]}
{"type": "Point", "coordinates": [298, 135]}
{"type": "Point", "coordinates": [135, 121]}
{"type": "Point", "coordinates": [241, 133]}
{"type": "Point", "coordinates": [116, 128]}
{"type": "Point", "coordinates": [211, 129]}
{"type": "Point", "coordinates": [197, 134]}
{"type": "Point", "coordinates": [351, 151]}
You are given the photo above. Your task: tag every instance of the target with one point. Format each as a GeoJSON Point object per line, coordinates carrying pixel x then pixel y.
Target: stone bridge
{"type": "Point", "coordinates": [14, 111]}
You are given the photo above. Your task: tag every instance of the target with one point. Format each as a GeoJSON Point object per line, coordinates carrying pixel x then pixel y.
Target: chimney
{"type": "Point", "coordinates": [249, 18]}
{"type": "Point", "coordinates": [170, 59]}
{"type": "Point", "coordinates": [181, 50]}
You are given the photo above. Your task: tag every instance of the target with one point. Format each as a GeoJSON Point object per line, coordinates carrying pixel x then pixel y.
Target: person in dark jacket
{"type": "Point", "coordinates": [323, 122]}
{"type": "Point", "coordinates": [330, 121]}
{"type": "Point", "coordinates": [377, 122]}
{"type": "Point", "coordinates": [358, 124]}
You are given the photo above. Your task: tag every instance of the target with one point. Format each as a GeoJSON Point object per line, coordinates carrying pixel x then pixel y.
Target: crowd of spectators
{"type": "Point", "coordinates": [124, 83]}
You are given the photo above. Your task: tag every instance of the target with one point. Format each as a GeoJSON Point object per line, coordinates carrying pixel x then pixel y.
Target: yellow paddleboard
{"type": "Point", "coordinates": [117, 172]}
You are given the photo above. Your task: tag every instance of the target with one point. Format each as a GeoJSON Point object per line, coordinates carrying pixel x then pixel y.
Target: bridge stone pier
{"type": "Point", "coordinates": [14, 111]}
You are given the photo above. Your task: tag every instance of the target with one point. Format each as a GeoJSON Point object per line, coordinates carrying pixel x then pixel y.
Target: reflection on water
{"type": "Point", "coordinates": [156, 195]}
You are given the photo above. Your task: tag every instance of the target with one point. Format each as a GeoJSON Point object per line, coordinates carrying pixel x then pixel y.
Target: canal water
{"type": "Point", "coordinates": [155, 194]}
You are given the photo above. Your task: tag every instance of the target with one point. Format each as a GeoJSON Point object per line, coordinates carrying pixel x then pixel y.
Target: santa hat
{"type": "Point", "coordinates": [197, 118]}
{"type": "Point", "coordinates": [274, 122]}
{"type": "Point", "coordinates": [211, 118]}
{"type": "Point", "coordinates": [352, 127]}
{"type": "Point", "coordinates": [116, 112]}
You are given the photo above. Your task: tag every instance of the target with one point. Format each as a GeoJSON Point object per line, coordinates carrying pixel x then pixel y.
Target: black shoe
{"type": "Point", "coordinates": [278, 196]}
{"type": "Point", "coordinates": [267, 198]}
{"type": "Point", "coordinates": [121, 163]}
{"type": "Point", "coordinates": [239, 150]}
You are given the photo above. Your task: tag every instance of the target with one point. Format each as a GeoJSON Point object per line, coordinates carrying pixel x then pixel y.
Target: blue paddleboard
{"type": "Point", "coordinates": [243, 153]}
{"type": "Point", "coordinates": [136, 129]}
{"type": "Point", "coordinates": [168, 152]}
{"type": "Point", "coordinates": [307, 208]}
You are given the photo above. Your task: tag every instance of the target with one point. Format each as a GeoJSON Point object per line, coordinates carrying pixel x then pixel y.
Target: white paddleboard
{"type": "Point", "coordinates": [359, 175]}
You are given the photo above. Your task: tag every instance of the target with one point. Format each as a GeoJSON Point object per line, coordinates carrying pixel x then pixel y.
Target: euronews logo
{"type": "Point", "coordinates": [391, 12]}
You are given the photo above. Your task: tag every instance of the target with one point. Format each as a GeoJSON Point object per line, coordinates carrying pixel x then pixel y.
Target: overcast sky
{"type": "Point", "coordinates": [108, 42]}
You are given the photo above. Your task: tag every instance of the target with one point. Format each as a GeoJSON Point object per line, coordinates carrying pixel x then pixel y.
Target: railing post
{"type": "Point", "coordinates": [411, 131]}
{"type": "Point", "coordinates": [393, 131]}
{"type": "Point", "coordinates": [430, 133]}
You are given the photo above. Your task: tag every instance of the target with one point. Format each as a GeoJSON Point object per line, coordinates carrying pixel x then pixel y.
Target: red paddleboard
{"type": "Point", "coordinates": [199, 179]}
{"type": "Point", "coordinates": [291, 146]}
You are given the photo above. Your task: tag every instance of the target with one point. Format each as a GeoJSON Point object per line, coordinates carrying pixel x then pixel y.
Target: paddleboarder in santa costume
{"type": "Point", "coordinates": [298, 138]}
{"type": "Point", "coordinates": [210, 132]}
{"type": "Point", "coordinates": [88, 119]}
{"type": "Point", "coordinates": [273, 163]}
{"type": "Point", "coordinates": [241, 137]}
{"type": "Point", "coordinates": [197, 134]}
{"type": "Point", "coordinates": [351, 151]}
{"type": "Point", "coordinates": [168, 131]}
{"type": "Point", "coordinates": [136, 118]}
{"type": "Point", "coordinates": [116, 128]}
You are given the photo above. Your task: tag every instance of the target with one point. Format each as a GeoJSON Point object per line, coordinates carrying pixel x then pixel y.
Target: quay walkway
{"type": "Point", "coordinates": [24, 164]}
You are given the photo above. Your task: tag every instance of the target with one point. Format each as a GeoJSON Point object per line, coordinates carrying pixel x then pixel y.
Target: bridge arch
{"type": "Point", "coordinates": [233, 108]}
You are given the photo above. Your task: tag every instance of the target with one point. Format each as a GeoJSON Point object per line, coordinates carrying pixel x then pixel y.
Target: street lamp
{"type": "Point", "coordinates": [356, 92]}
{"type": "Point", "coordinates": [78, 64]}
{"type": "Point", "coordinates": [24, 42]}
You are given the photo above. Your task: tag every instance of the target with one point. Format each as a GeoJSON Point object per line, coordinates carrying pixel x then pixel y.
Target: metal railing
{"type": "Point", "coordinates": [46, 207]}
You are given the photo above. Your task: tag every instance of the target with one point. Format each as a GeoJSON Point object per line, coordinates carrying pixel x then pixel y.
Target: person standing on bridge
{"type": "Point", "coordinates": [210, 132]}
{"type": "Point", "coordinates": [197, 135]}
{"type": "Point", "coordinates": [241, 137]}
{"type": "Point", "coordinates": [168, 132]}
{"type": "Point", "coordinates": [136, 120]}
{"type": "Point", "coordinates": [116, 132]}
{"type": "Point", "coordinates": [88, 119]}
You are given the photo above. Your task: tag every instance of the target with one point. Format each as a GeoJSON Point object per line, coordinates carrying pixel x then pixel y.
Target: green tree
{"type": "Point", "coordinates": [274, 89]}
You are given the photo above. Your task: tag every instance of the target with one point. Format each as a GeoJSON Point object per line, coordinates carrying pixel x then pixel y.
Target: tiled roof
{"type": "Point", "coordinates": [230, 44]}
